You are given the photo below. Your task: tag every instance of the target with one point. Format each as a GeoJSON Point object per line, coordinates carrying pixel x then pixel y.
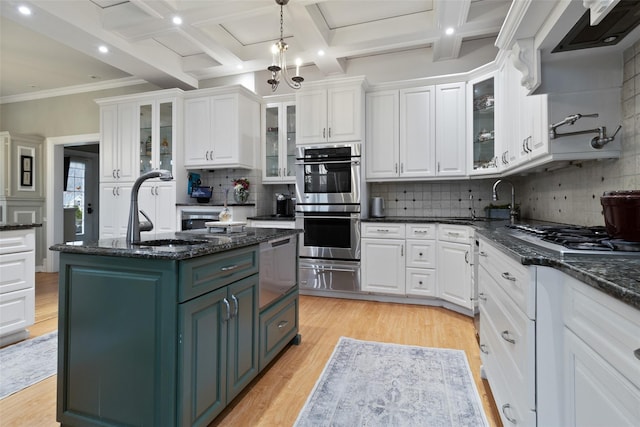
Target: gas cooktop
{"type": "Point", "coordinates": [568, 239]}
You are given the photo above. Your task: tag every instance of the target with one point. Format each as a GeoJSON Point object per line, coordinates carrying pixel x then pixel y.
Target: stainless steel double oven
{"type": "Point", "coordinates": [328, 209]}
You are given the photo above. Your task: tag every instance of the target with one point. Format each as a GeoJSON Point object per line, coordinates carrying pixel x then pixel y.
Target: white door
{"type": "Point", "coordinates": [451, 141]}
{"type": "Point", "coordinates": [383, 266]}
{"type": "Point", "coordinates": [224, 129]}
{"type": "Point", "coordinates": [197, 131]}
{"type": "Point", "coordinates": [344, 114]}
{"type": "Point", "coordinates": [311, 116]}
{"type": "Point", "coordinates": [454, 273]}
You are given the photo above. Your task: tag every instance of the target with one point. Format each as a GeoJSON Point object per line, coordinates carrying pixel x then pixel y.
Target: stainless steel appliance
{"type": "Point", "coordinates": [328, 209]}
{"type": "Point", "coordinates": [277, 269]}
{"type": "Point", "coordinates": [195, 220]}
{"type": "Point", "coordinates": [329, 275]}
{"type": "Point", "coordinates": [327, 175]}
{"type": "Point", "coordinates": [330, 235]}
{"type": "Point", "coordinates": [284, 205]}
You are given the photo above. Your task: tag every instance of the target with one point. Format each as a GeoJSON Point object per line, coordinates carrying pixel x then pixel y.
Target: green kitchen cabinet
{"type": "Point", "coordinates": [154, 341]}
{"type": "Point", "coordinates": [279, 325]}
{"type": "Point", "coordinates": [218, 351]}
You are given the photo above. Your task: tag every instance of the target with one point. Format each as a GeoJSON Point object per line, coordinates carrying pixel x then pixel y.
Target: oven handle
{"type": "Point", "coordinates": [323, 162]}
{"type": "Point", "coordinates": [329, 217]}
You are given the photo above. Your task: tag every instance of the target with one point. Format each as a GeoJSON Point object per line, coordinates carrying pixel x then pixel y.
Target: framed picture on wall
{"type": "Point", "coordinates": [26, 171]}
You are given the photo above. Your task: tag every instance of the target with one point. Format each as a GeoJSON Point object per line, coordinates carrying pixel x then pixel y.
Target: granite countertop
{"type": "Point", "coordinates": [8, 227]}
{"type": "Point", "coordinates": [201, 243]}
{"type": "Point", "coordinates": [615, 275]}
{"type": "Point", "coordinates": [220, 204]}
{"type": "Point", "coordinates": [272, 218]}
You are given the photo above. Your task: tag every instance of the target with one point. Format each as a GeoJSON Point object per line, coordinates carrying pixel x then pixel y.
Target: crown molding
{"type": "Point", "coordinates": [72, 90]}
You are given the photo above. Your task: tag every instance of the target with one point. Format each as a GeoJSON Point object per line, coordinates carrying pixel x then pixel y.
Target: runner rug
{"type": "Point", "coordinates": [377, 384]}
{"type": "Point", "coordinates": [28, 362]}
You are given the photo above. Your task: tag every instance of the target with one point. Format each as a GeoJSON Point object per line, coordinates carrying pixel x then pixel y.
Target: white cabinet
{"type": "Point", "coordinates": [451, 141]}
{"type": "Point", "coordinates": [421, 260]}
{"type": "Point", "coordinates": [221, 129]}
{"type": "Point", "coordinates": [279, 143]}
{"type": "Point", "coordinates": [483, 118]}
{"type": "Point", "coordinates": [156, 199]}
{"type": "Point", "coordinates": [114, 209]}
{"type": "Point", "coordinates": [507, 334]}
{"type": "Point", "coordinates": [157, 134]}
{"type": "Point", "coordinates": [383, 258]}
{"type": "Point", "coordinates": [17, 284]}
{"type": "Point", "coordinates": [416, 132]}
{"type": "Point", "coordinates": [454, 264]}
{"type": "Point", "coordinates": [330, 112]}
{"type": "Point", "coordinates": [602, 348]}
{"type": "Point", "coordinates": [118, 142]}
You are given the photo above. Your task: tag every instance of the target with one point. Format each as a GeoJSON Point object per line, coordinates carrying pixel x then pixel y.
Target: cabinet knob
{"type": "Point", "coordinates": [637, 353]}
{"type": "Point", "coordinates": [482, 296]}
{"type": "Point", "coordinates": [483, 348]}
{"type": "Point", "coordinates": [420, 254]}
{"type": "Point", "coordinates": [420, 282]}
{"type": "Point", "coordinates": [482, 253]}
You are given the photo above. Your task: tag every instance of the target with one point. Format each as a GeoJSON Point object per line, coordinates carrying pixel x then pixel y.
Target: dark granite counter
{"type": "Point", "coordinates": [220, 204]}
{"type": "Point", "coordinates": [616, 275]}
{"type": "Point", "coordinates": [193, 243]}
{"type": "Point", "coordinates": [7, 227]}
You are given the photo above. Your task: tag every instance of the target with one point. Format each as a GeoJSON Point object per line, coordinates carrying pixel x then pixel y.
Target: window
{"type": "Point", "coordinates": [74, 193]}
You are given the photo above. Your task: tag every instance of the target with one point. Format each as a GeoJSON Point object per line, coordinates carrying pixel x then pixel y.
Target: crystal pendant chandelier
{"type": "Point", "coordinates": [278, 66]}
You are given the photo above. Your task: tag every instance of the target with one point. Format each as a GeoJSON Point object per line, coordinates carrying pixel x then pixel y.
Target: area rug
{"type": "Point", "coordinates": [377, 384]}
{"type": "Point", "coordinates": [28, 362]}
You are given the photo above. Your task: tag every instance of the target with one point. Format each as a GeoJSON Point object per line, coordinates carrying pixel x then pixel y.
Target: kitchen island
{"type": "Point", "coordinates": [165, 332]}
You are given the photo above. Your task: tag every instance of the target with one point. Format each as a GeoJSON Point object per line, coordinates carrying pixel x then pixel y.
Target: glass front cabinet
{"type": "Point", "coordinates": [157, 135]}
{"type": "Point", "coordinates": [482, 125]}
{"type": "Point", "coordinates": [279, 143]}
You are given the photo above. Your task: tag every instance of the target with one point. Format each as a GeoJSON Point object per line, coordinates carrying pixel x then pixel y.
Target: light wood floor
{"type": "Point", "coordinates": [278, 394]}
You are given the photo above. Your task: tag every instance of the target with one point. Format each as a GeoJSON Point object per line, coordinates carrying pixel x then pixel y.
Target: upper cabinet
{"type": "Point", "coordinates": [481, 124]}
{"type": "Point", "coordinates": [157, 127]}
{"type": "Point", "coordinates": [416, 133]}
{"type": "Point", "coordinates": [118, 142]}
{"type": "Point", "coordinates": [221, 129]}
{"type": "Point", "coordinates": [279, 142]}
{"type": "Point", "coordinates": [451, 141]}
{"type": "Point", "coordinates": [330, 111]}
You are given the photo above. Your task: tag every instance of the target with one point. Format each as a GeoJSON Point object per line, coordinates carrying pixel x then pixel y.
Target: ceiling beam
{"type": "Point", "coordinates": [449, 14]}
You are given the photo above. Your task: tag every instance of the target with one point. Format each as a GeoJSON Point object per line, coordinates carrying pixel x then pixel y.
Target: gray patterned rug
{"type": "Point", "coordinates": [377, 384]}
{"type": "Point", "coordinates": [28, 362]}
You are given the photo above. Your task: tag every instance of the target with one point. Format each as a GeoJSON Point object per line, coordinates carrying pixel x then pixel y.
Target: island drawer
{"type": "Point", "coordinates": [278, 326]}
{"type": "Point", "coordinates": [203, 274]}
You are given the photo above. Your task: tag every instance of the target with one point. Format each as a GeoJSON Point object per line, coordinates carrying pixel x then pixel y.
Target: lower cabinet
{"type": "Point", "coordinates": [454, 273]}
{"type": "Point", "coordinates": [218, 352]}
{"type": "Point", "coordinates": [383, 266]}
{"type": "Point", "coordinates": [279, 325]}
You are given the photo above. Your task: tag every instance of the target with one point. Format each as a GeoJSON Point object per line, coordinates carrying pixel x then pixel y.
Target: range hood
{"type": "Point", "coordinates": [617, 24]}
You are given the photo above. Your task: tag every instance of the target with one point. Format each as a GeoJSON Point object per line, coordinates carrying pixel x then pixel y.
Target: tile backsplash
{"type": "Point", "coordinates": [437, 199]}
{"type": "Point", "coordinates": [572, 195]}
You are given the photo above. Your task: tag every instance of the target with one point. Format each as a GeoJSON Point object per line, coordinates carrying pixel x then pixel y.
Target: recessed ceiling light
{"type": "Point", "coordinates": [449, 31]}
{"type": "Point", "coordinates": [610, 39]}
{"type": "Point", "coordinates": [321, 52]}
{"type": "Point", "coordinates": [177, 20]}
{"type": "Point", "coordinates": [24, 10]}
{"type": "Point", "coordinates": [103, 49]}
{"type": "Point", "coordinates": [239, 66]}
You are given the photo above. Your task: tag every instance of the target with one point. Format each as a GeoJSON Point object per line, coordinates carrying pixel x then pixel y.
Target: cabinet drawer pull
{"type": "Point", "coordinates": [508, 276]}
{"type": "Point", "coordinates": [482, 296]}
{"type": "Point", "coordinates": [235, 305]}
{"type": "Point", "coordinates": [505, 336]}
{"type": "Point", "coordinates": [401, 250]}
{"type": "Point", "coordinates": [504, 408]}
{"type": "Point", "coordinates": [228, 308]}
{"type": "Point", "coordinates": [453, 234]}
{"type": "Point", "coordinates": [466, 257]}
{"type": "Point", "coordinates": [483, 348]}
{"type": "Point", "coordinates": [636, 352]}
{"type": "Point", "coordinates": [229, 268]}
{"type": "Point", "coordinates": [282, 324]}
{"type": "Point", "coordinates": [382, 230]}
{"type": "Point", "coordinates": [421, 231]}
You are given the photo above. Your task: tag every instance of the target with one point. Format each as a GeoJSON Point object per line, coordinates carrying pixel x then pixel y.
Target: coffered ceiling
{"type": "Point", "coordinates": [57, 45]}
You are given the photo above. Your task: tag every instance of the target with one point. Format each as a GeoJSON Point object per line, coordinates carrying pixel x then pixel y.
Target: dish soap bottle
{"type": "Point", "coordinates": [225, 214]}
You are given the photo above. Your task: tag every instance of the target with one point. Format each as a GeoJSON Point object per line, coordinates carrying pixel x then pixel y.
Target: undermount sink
{"type": "Point", "coordinates": [171, 242]}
